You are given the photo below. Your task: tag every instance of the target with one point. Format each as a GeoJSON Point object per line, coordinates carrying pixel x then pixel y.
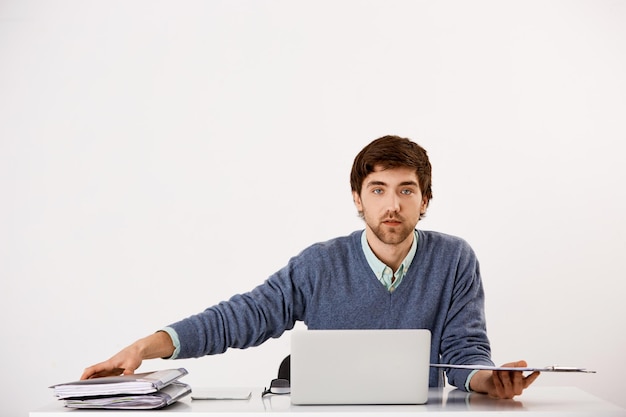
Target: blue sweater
{"type": "Point", "coordinates": [331, 286]}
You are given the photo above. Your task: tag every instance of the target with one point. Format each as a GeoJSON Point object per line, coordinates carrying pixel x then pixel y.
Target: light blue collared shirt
{"type": "Point", "coordinates": [384, 273]}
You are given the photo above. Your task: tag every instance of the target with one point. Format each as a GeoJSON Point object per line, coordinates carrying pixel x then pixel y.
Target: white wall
{"type": "Point", "coordinates": [158, 156]}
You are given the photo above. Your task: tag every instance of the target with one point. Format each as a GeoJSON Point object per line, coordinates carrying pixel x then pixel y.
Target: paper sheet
{"type": "Point", "coordinates": [508, 368]}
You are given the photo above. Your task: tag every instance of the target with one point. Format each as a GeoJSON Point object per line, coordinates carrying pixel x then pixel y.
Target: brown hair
{"type": "Point", "coordinates": [392, 152]}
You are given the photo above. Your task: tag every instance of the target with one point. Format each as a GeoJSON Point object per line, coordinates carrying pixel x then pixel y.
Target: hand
{"type": "Point", "coordinates": [126, 361]}
{"type": "Point", "coordinates": [503, 384]}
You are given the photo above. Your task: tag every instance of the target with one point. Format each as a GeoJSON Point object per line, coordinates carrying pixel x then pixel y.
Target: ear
{"type": "Point", "coordinates": [424, 205]}
{"type": "Point", "coordinates": [357, 201]}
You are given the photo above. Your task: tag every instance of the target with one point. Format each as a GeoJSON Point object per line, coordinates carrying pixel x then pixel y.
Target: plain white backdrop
{"type": "Point", "coordinates": [157, 157]}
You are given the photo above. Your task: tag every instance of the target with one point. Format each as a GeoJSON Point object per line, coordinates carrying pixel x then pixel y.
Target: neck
{"type": "Point", "coordinates": [391, 254]}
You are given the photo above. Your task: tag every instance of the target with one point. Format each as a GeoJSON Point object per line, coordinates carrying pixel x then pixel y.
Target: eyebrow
{"type": "Point", "coordinates": [402, 184]}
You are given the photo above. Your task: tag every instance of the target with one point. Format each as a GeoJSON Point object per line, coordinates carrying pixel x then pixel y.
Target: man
{"type": "Point", "coordinates": [390, 275]}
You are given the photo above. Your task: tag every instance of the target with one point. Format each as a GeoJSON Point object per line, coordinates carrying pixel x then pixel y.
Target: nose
{"type": "Point", "coordinates": [393, 203]}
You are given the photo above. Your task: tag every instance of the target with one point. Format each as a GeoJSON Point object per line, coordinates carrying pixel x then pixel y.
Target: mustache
{"type": "Point", "coordinates": [394, 218]}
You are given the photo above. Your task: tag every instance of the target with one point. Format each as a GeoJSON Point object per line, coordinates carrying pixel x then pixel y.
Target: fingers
{"type": "Point", "coordinates": [99, 370]}
{"type": "Point", "coordinates": [112, 367]}
{"type": "Point", "coordinates": [128, 359]}
{"type": "Point", "coordinates": [517, 364]}
{"type": "Point", "coordinates": [508, 384]}
{"type": "Point", "coordinates": [498, 384]}
{"type": "Point", "coordinates": [531, 378]}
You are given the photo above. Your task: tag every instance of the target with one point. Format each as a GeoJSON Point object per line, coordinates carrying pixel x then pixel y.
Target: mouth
{"type": "Point", "coordinates": [392, 222]}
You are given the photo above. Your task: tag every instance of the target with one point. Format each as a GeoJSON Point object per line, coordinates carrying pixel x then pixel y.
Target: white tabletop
{"type": "Point", "coordinates": [545, 401]}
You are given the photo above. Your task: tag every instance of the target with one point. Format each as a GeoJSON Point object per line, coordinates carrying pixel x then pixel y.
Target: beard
{"type": "Point", "coordinates": [390, 235]}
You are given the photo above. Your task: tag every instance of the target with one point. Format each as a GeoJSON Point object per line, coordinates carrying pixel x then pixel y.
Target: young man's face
{"type": "Point", "coordinates": [391, 203]}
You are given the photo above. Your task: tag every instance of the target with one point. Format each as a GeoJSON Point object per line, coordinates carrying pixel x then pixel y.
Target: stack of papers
{"type": "Point", "coordinates": [158, 399]}
{"type": "Point", "coordinates": [143, 391]}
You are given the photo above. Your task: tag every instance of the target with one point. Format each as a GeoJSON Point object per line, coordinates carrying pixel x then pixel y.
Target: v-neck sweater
{"type": "Point", "coordinates": [330, 285]}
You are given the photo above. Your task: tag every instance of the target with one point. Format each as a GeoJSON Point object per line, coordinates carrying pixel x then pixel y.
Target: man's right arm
{"type": "Point", "coordinates": [126, 361]}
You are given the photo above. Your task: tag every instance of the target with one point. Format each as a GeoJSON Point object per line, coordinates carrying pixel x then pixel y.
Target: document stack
{"type": "Point", "coordinates": [145, 391]}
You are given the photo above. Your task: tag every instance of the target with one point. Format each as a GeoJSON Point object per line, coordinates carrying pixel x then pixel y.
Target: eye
{"type": "Point", "coordinates": [377, 191]}
{"type": "Point", "coordinates": [406, 192]}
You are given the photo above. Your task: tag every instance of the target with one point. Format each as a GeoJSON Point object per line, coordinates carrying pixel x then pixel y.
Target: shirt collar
{"type": "Point", "coordinates": [382, 271]}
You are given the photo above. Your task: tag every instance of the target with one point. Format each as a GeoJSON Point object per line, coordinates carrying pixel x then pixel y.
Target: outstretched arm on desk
{"type": "Point", "coordinates": [126, 361]}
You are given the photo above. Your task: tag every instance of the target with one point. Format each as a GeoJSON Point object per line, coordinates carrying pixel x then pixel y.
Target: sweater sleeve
{"type": "Point", "coordinates": [464, 339]}
{"type": "Point", "coordinates": [244, 320]}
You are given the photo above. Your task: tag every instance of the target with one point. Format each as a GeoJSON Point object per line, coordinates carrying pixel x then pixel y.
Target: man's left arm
{"type": "Point", "coordinates": [466, 340]}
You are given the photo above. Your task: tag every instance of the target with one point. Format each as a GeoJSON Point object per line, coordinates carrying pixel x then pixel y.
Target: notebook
{"type": "Point", "coordinates": [360, 366]}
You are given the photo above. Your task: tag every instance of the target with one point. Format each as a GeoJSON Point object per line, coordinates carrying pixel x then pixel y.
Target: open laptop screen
{"type": "Point", "coordinates": [388, 366]}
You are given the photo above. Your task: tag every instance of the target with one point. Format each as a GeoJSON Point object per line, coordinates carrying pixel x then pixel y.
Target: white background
{"type": "Point", "coordinates": [157, 157]}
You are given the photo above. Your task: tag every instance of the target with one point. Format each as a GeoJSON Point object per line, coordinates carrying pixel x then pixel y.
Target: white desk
{"type": "Point", "coordinates": [544, 401]}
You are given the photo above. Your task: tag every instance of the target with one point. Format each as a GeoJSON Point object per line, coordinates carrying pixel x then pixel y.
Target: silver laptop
{"type": "Point", "coordinates": [360, 366]}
